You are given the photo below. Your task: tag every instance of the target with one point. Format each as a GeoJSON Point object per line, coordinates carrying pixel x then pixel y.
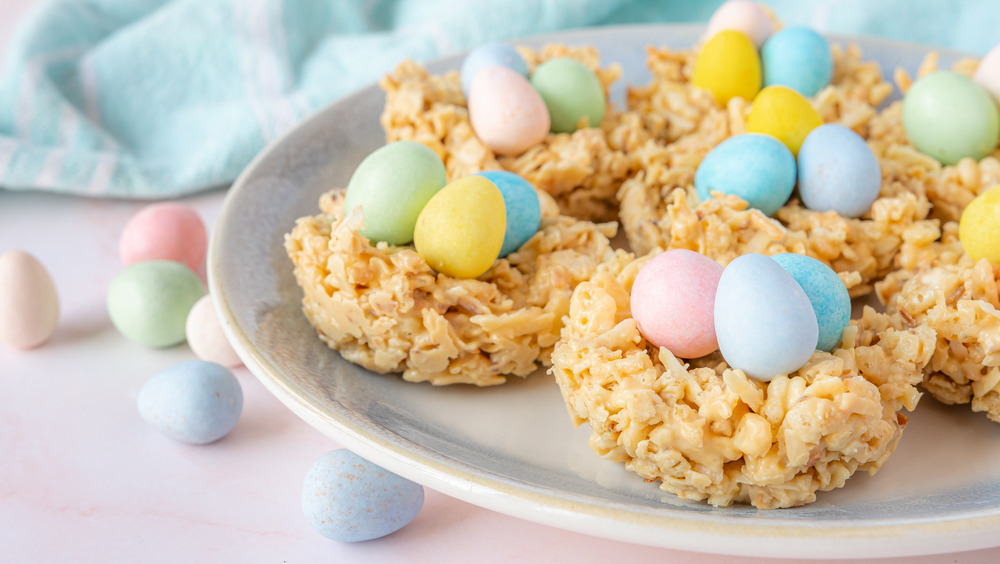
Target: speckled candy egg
{"type": "Point", "coordinates": [728, 66]}
{"type": "Point", "coordinates": [979, 226]}
{"type": "Point", "coordinates": [949, 117]}
{"type": "Point", "coordinates": [392, 185]}
{"type": "Point", "coordinates": [988, 72]}
{"type": "Point", "coordinates": [490, 55]}
{"type": "Point", "coordinates": [764, 321]}
{"type": "Point", "coordinates": [524, 214]}
{"type": "Point", "coordinates": [799, 58]}
{"type": "Point", "coordinates": [348, 499]}
{"type": "Point", "coordinates": [29, 305]}
{"type": "Point", "coordinates": [743, 16]}
{"type": "Point", "coordinates": [206, 337]}
{"type": "Point", "coordinates": [838, 171]}
{"type": "Point", "coordinates": [673, 299]}
{"type": "Point", "coordinates": [785, 114]}
{"type": "Point", "coordinates": [506, 113]}
{"type": "Point", "coordinates": [149, 302]}
{"type": "Point", "coordinates": [826, 292]}
{"type": "Point", "coordinates": [757, 168]}
{"type": "Point", "coordinates": [164, 231]}
{"type": "Point", "coordinates": [194, 402]}
{"type": "Point", "coordinates": [571, 91]}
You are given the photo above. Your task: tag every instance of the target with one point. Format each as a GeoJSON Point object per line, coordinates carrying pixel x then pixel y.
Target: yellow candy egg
{"type": "Point", "coordinates": [783, 113]}
{"type": "Point", "coordinates": [728, 66]}
{"type": "Point", "coordinates": [979, 228]}
{"type": "Point", "coordinates": [460, 230]}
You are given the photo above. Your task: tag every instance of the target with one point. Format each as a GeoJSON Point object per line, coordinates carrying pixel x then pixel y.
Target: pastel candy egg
{"type": "Point", "coordinates": [524, 213]}
{"type": "Point", "coordinates": [673, 299]}
{"type": "Point", "coordinates": [489, 55]}
{"type": "Point", "coordinates": [348, 499]}
{"type": "Point", "coordinates": [979, 225]}
{"type": "Point", "coordinates": [461, 230]}
{"type": "Point", "coordinates": [799, 58]}
{"type": "Point", "coordinates": [743, 16]}
{"type": "Point", "coordinates": [205, 336]}
{"type": "Point", "coordinates": [757, 168]}
{"type": "Point", "coordinates": [164, 231]}
{"type": "Point", "coordinates": [949, 117]}
{"type": "Point", "coordinates": [148, 302]}
{"type": "Point", "coordinates": [728, 66]}
{"type": "Point", "coordinates": [571, 91]}
{"type": "Point", "coordinates": [838, 171]}
{"type": "Point", "coordinates": [29, 305]}
{"type": "Point", "coordinates": [506, 113]}
{"type": "Point", "coordinates": [988, 72]}
{"type": "Point", "coordinates": [764, 321]}
{"type": "Point", "coordinates": [785, 114]}
{"type": "Point", "coordinates": [193, 402]}
{"type": "Point", "coordinates": [826, 292]}
{"type": "Point", "coordinates": [391, 185]}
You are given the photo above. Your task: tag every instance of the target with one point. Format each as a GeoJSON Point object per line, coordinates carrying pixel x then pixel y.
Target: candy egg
{"type": "Point", "coordinates": [148, 302]}
{"type": "Point", "coordinates": [489, 55]}
{"type": "Point", "coordinates": [728, 66]}
{"type": "Point", "coordinates": [799, 58]}
{"type": "Point", "coordinates": [524, 213]}
{"type": "Point", "coordinates": [838, 171]}
{"type": "Point", "coordinates": [193, 402]}
{"type": "Point", "coordinates": [949, 117]}
{"type": "Point", "coordinates": [826, 292]}
{"type": "Point", "coordinates": [757, 168]}
{"type": "Point", "coordinates": [785, 114]}
{"type": "Point", "coordinates": [571, 91]}
{"type": "Point", "coordinates": [205, 336]}
{"type": "Point", "coordinates": [348, 499]}
{"type": "Point", "coordinates": [764, 321]}
{"type": "Point", "coordinates": [461, 230]}
{"type": "Point", "coordinates": [29, 305]}
{"type": "Point", "coordinates": [164, 231]}
{"type": "Point", "coordinates": [743, 16]}
{"type": "Point", "coordinates": [979, 224]}
{"type": "Point", "coordinates": [506, 113]}
{"type": "Point", "coordinates": [391, 185]}
{"type": "Point", "coordinates": [673, 299]}
{"type": "Point", "coordinates": [988, 72]}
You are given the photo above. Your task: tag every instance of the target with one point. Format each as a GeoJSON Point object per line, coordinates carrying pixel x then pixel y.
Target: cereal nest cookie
{"type": "Point", "coordinates": [384, 308]}
{"type": "Point", "coordinates": [708, 432]}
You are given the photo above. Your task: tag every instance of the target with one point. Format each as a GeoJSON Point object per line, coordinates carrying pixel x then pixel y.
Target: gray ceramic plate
{"type": "Point", "coordinates": [512, 448]}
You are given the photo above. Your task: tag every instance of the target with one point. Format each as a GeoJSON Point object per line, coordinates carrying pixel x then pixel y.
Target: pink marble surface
{"type": "Point", "coordinates": [82, 479]}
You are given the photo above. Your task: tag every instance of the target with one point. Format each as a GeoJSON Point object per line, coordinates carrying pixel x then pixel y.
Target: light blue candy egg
{"type": "Point", "coordinates": [348, 499]}
{"type": "Point", "coordinates": [489, 55]}
{"type": "Point", "coordinates": [524, 214]}
{"type": "Point", "coordinates": [193, 402]}
{"type": "Point", "coordinates": [756, 167]}
{"type": "Point", "coordinates": [799, 58]}
{"type": "Point", "coordinates": [826, 292]}
{"type": "Point", "coordinates": [838, 171]}
{"type": "Point", "coordinates": [764, 321]}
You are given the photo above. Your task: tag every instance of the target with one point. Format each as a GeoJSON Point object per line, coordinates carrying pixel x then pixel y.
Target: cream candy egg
{"type": "Point", "coordinates": [744, 16]}
{"type": "Point", "coordinates": [29, 305]}
{"type": "Point", "coordinates": [205, 336]}
{"type": "Point", "coordinates": [988, 72]}
{"type": "Point", "coordinates": [164, 231]}
{"type": "Point", "coordinates": [507, 114]}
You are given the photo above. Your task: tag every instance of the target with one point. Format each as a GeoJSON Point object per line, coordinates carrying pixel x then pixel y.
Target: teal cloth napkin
{"type": "Point", "coordinates": [160, 98]}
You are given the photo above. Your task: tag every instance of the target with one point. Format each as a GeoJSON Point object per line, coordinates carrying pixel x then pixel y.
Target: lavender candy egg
{"type": "Point", "coordinates": [489, 55]}
{"type": "Point", "coordinates": [193, 402]}
{"type": "Point", "coordinates": [826, 292]}
{"type": "Point", "coordinates": [524, 213]}
{"type": "Point", "coordinates": [838, 171]}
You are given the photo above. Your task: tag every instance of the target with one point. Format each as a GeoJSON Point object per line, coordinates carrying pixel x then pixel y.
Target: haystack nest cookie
{"type": "Point", "coordinates": [709, 432]}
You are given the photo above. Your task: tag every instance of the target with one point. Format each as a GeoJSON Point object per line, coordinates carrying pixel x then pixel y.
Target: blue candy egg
{"type": "Point", "coordinates": [826, 292]}
{"type": "Point", "coordinates": [489, 55]}
{"type": "Point", "coordinates": [764, 321]}
{"type": "Point", "coordinates": [756, 167]}
{"type": "Point", "coordinates": [799, 58]}
{"type": "Point", "coordinates": [524, 214]}
{"type": "Point", "coordinates": [348, 499]}
{"type": "Point", "coordinates": [193, 402]}
{"type": "Point", "coordinates": [838, 171]}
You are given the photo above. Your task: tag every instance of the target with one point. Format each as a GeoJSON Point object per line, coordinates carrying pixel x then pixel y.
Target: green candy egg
{"type": "Point", "coordinates": [392, 185]}
{"type": "Point", "coordinates": [148, 302]}
{"type": "Point", "coordinates": [949, 117]}
{"type": "Point", "coordinates": [571, 91]}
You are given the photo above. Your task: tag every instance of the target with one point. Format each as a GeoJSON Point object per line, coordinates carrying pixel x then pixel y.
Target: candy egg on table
{"type": "Point", "coordinates": [164, 231]}
{"type": "Point", "coordinates": [524, 213]}
{"type": "Point", "coordinates": [764, 321]}
{"type": "Point", "coordinates": [149, 302]}
{"type": "Point", "coordinates": [755, 167]}
{"type": "Point", "coordinates": [392, 185]}
{"type": "Point", "coordinates": [29, 304]}
{"type": "Point", "coordinates": [348, 499]}
{"type": "Point", "coordinates": [194, 402]}
{"type": "Point", "coordinates": [987, 73]}
{"type": "Point", "coordinates": [826, 292]}
{"type": "Point", "coordinates": [838, 171]}
{"type": "Point", "coordinates": [205, 336]}
{"type": "Point", "coordinates": [728, 66]}
{"type": "Point", "coordinates": [744, 16]}
{"type": "Point", "coordinates": [979, 226]}
{"type": "Point", "coordinates": [799, 58]}
{"type": "Point", "coordinates": [949, 117]}
{"type": "Point", "coordinates": [489, 55]}
{"type": "Point", "coordinates": [673, 302]}
{"type": "Point", "coordinates": [571, 91]}
{"type": "Point", "coordinates": [507, 114]}
{"type": "Point", "coordinates": [783, 113]}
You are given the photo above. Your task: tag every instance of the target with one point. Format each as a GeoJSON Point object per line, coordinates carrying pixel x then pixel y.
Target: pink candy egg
{"type": "Point", "coordinates": [673, 302]}
{"type": "Point", "coordinates": [988, 72]}
{"type": "Point", "coordinates": [205, 335]}
{"type": "Point", "coordinates": [507, 114]}
{"type": "Point", "coordinates": [164, 231]}
{"type": "Point", "coordinates": [29, 305]}
{"type": "Point", "coordinates": [744, 16]}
